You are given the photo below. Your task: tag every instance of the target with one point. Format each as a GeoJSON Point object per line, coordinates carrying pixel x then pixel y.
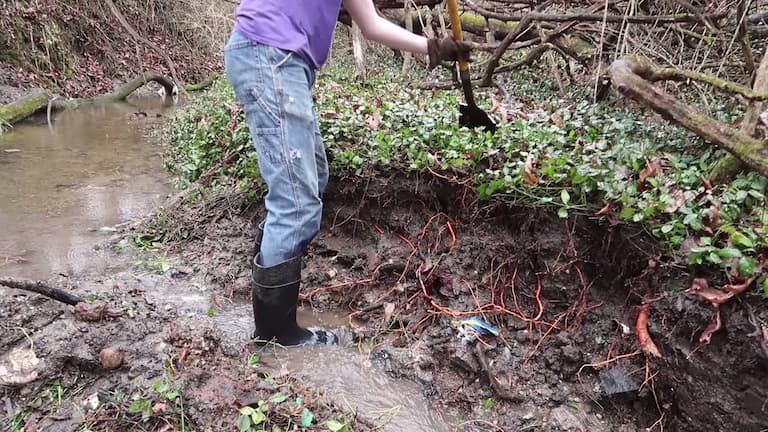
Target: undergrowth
{"type": "Point", "coordinates": [607, 160]}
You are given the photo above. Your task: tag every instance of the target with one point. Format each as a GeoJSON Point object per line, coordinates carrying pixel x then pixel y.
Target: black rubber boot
{"type": "Point", "coordinates": [275, 297]}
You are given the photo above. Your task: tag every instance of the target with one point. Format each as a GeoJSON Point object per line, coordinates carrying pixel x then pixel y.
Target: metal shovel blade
{"type": "Point", "coordinates": [472, 116]}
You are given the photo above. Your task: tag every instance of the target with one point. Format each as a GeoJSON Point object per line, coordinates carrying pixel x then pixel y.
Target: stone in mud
{"type": "Point", "coordinates": [18, 367]}
{"type": "Point", "coordinates": [111, 358]}
{"type": "Point", "coordinates": [615, 381]}
{"type": "Point", "coordinates": [463, 358]}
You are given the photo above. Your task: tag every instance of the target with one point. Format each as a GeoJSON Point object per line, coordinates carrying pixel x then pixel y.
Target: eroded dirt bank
{"type": "Point", "coordinates": [407, 257]}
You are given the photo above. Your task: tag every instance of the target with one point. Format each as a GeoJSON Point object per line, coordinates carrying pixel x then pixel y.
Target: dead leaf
{"type": "Point", "coordinates": [389, 309]}
{"type": "Point", "coordinates": [160, 408]}
{"type": "Point", "coordinates": [331, 114]}
{"type": "Point", "coordinates": [652, 169]}
{"type": "Point", "coordinates": [679, 200]}
{"type": "Point", "coordinates": [713, 217]}
{"type": "Point", "coordinates": [557, 120]}
{"type": "Point", "coordinates": [95, 311]}
{"type": "Point", "coordinates": [530, 177]}
{"type": "Point", "coordinates": [373, 121]}
{"type": "Point", "coordinates": [521, 114]}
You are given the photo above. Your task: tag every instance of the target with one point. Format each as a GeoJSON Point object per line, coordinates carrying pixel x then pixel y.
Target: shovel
{"type": "Point", "coordinates": [470, 115]}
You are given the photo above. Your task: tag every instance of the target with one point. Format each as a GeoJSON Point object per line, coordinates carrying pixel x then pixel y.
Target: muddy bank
{"type": "Point", "coordinates": [82, 49]}
{"type": "Point", "coordinates": [406, 258]}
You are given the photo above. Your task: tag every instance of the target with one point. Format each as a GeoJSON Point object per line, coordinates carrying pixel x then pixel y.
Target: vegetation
{"type": "Point", "coordinates": [569, 154]}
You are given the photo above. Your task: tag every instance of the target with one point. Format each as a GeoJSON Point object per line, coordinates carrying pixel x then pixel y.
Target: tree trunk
{"type": "Point", "coordinates": [407, 56]}
{"type": "Point", "coordinates": [358, 50]}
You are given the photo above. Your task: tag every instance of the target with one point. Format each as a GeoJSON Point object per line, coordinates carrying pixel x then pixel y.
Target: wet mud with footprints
{"type": "Point", "coordinates": [402, 261]}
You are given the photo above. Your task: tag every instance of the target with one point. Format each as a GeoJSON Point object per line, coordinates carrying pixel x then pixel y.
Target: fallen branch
{"type": "Point", "coordinates": [626, 80]}
{"type": "Point", "coordinates": [593, 17]}
{"type": "Point", "coordinates": [120, 18]}
{"type": "Point", "coordinates": [41, 288]}
{"type": "Point", "coordinates": [29, 105]}
{"type": "Point", "coordinates": [651, 73]}
{"type": "Point", "coordinates": [728, 166]}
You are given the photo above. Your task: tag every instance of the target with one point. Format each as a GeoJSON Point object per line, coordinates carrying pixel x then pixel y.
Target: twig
{"type": "Point", "coordinates": [121, 18]}
{"type": "Point", "coordinates": [42, 288]}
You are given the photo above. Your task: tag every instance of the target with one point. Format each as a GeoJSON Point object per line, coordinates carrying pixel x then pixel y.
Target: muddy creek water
{"type": "Point", "coordinates": [62, 189]}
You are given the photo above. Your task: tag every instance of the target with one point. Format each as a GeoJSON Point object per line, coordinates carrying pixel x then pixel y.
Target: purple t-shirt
{"type": "Point", "coordinates": [301, 26]}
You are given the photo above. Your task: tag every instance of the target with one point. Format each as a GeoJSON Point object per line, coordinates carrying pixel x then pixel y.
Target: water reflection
{"type": "Point", "coordinates": [94, 167]}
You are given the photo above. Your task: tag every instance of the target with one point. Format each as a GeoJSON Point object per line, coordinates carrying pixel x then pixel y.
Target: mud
{"type": "Point", "coordinates": [401, 259]}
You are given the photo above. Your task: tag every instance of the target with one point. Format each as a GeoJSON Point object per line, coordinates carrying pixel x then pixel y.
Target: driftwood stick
{"type": "Point", "coordinates": [42, 288]}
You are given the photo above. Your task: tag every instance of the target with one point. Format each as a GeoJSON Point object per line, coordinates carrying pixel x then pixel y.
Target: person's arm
{"type": "Point", "coordinates": [378, 29]}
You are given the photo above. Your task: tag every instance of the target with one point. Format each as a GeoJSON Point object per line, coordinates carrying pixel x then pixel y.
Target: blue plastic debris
{"type": "Point", "coordinates": [474, 326]}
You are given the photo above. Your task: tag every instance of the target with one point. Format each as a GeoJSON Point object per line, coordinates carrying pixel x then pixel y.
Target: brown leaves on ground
{"type": "Point", "coordinates": [96, 311]}
{"type": "Point", "coordinates": [652, 168]}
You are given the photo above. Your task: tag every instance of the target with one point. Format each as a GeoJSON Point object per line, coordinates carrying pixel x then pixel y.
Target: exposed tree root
{"type": "Point", "coordinates": [641, 329]}
{"type": "Point", "coordinates": [717, 297]}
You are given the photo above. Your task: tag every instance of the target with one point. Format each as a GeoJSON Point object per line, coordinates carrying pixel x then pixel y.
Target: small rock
{"type": "Point", "coordinates": [615, 380]}
{"type": "Point", "coordinates": [111, 358]}
{"type": "Point", "coordinates": [18, 367]}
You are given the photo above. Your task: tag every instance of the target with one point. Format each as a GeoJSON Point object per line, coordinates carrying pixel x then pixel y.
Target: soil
{"type": "Point", "coordinates": [406, 258]}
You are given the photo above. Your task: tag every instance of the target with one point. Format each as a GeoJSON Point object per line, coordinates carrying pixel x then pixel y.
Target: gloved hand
{"type": "Point", "coordinates": [446, 49]}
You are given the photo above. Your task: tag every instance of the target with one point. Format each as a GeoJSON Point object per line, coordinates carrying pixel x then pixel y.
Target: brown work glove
{"type": "Point", "coordinates": [446, 49]}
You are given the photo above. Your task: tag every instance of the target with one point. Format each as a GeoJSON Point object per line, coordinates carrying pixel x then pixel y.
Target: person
{"type": "Point", "coordinates": [271, 60]}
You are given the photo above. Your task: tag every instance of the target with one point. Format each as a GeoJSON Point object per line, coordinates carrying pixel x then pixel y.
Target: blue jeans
{"type": "Point", "coordinates": [274, 88]}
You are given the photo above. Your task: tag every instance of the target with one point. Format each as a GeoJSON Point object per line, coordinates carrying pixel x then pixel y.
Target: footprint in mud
{"type": "Point", "coordinates": [341, 372]}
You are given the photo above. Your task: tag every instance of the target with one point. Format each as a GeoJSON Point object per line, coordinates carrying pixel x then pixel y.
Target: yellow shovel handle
{"type": "Point", "coordinates": [453, 11]}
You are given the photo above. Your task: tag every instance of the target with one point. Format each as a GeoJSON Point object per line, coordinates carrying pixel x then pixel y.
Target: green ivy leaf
{"type": "Point", "coordinates": [562, 212]}
{"type": "Point", "coordinates": [306, 417]}
{"type": "Point", "coordinates": [747, 266]}
{"type": "Point", "coordinates": [565, 197]}
{"type": "Point", "coordinates": [487, 403]}
{"type": "Point", "coordinates": [741, 240]}
{"type": "Point", "coordinates": [258, 417]}
{"type": "Point", "coordinates": [244, 423]}
{"type": "Point", "coordinates": [172, 395]}
{"type": "Point", "coordinates": [727, 253]}
{"type": "Point", "coordinates": [335, 426]}
{"type": "Point", "coordinates": [278, 398]}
